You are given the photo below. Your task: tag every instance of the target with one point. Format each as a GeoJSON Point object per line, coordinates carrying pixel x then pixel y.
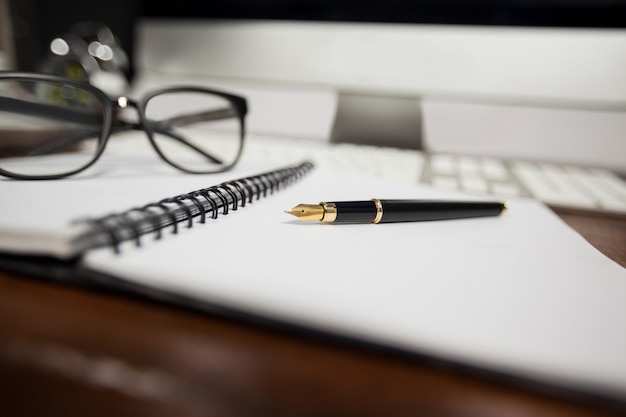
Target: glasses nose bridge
{"type": "Point", "coordinates": [136, 121]}
{"type": "Point", "coordinates": [124, 103]}
{"type": "Point", "coordinates": [140, 123]}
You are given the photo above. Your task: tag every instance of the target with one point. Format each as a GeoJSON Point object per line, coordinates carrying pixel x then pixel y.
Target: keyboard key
{"type": "Point", "coordinates": [495, 169]}
{"type": "Point", "coordinates": [474, 183]}
{"type": "Point", "coordinates": [600, 184]}
{"type": "Point", "coordinates": [445, 183]}
{"type": "Point", "coordinates": [547, 184]}
{"type": "Point", "coordinates": [469, 166]}
{"type": "Point", "coordinates": [613, 182]}
{"type": "Point", "coordinates": [443, 164]}
{"type": "Point", "coordinates": [506, 189]}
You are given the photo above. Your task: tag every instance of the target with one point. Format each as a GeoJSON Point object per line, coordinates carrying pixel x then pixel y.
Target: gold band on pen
{"type": "Point", "coordinates": [379, 210]}
{"type": "Point", "coordinates": [330, 212]}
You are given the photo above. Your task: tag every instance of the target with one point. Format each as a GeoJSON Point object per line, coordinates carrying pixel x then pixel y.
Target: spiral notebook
{"type": "Point", "coordinates": [519, 295]}
{"type": "Point", "coordinates": [29, 230]}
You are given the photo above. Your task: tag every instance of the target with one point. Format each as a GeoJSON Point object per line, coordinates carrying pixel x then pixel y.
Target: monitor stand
{"type": "Point", "coordinates": [382, 120]}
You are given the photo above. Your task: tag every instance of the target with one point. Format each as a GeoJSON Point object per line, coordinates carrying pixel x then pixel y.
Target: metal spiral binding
{"type": "Point", "coordinates": [131, 224]}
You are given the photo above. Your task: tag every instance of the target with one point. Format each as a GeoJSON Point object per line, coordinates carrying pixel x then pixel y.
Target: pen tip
{"type": "Point", "coordinates": [307, 212]}
{"type": "Point", "coordinates": [292, 212]}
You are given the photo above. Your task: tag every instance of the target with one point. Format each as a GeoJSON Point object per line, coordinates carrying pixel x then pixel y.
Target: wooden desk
{"type": "Point", "coordinates": [68, 352]}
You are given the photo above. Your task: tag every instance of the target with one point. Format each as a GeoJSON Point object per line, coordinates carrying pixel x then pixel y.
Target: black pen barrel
{"type": "Point", "coordinates": [410, 211]}
{"type": "Point", "coordinates": [355, 211]}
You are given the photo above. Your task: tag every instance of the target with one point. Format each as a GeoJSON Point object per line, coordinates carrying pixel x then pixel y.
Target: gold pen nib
{"type": "Point", "coordinates": [307, 212]}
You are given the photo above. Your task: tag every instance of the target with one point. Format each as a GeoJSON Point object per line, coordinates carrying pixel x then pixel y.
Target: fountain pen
{"type": "Point", "coordinates": [389, 211]}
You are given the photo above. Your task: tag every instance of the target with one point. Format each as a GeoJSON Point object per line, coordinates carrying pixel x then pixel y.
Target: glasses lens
{"type": "Point", "coordinates": [195, 131]}
{"type": "Point", "coordinates": [47, 128]}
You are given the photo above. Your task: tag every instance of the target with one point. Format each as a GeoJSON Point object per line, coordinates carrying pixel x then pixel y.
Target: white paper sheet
{"type": "Point", "coordinates": [521, 293]}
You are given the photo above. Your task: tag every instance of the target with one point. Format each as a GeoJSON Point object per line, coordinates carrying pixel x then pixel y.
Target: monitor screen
{"type": "Point", "coordinates": [535, 13]}
{"type": "Point", "coordinates": [388, 63]}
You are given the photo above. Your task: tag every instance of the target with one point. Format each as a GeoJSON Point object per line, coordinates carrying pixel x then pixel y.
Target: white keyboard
{"type": "Point", "coordinates": [557, 185]}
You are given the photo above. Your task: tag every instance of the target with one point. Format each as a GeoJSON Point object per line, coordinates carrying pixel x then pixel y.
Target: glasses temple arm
{"type": "Point", "coordinates": [185, 119]}
{"type": "Point", "coordinates": [48, 111]}
{"type": "Point", "coordinates": [163, 129]}
{"type": "Point", "coordinates": [60, 144]}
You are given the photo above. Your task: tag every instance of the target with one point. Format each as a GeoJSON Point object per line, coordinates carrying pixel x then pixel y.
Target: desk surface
{"type": "Point", "coordinates": [68, 352]}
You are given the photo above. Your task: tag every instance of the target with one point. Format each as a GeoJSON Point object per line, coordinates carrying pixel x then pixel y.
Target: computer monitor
{"type": "Point", "coordinates": [547, 76]}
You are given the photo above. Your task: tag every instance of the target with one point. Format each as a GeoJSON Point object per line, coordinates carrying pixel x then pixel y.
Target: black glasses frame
{"type": "Point", "coordinates": [112, 125]}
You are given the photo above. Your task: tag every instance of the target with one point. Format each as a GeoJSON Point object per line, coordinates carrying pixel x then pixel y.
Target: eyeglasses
{"type": "Point", "coordinates": [52, 127]}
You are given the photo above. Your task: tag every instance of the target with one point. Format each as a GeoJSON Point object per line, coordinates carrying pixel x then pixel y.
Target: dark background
{"type": "Point", "coordinates": [563, 13]}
